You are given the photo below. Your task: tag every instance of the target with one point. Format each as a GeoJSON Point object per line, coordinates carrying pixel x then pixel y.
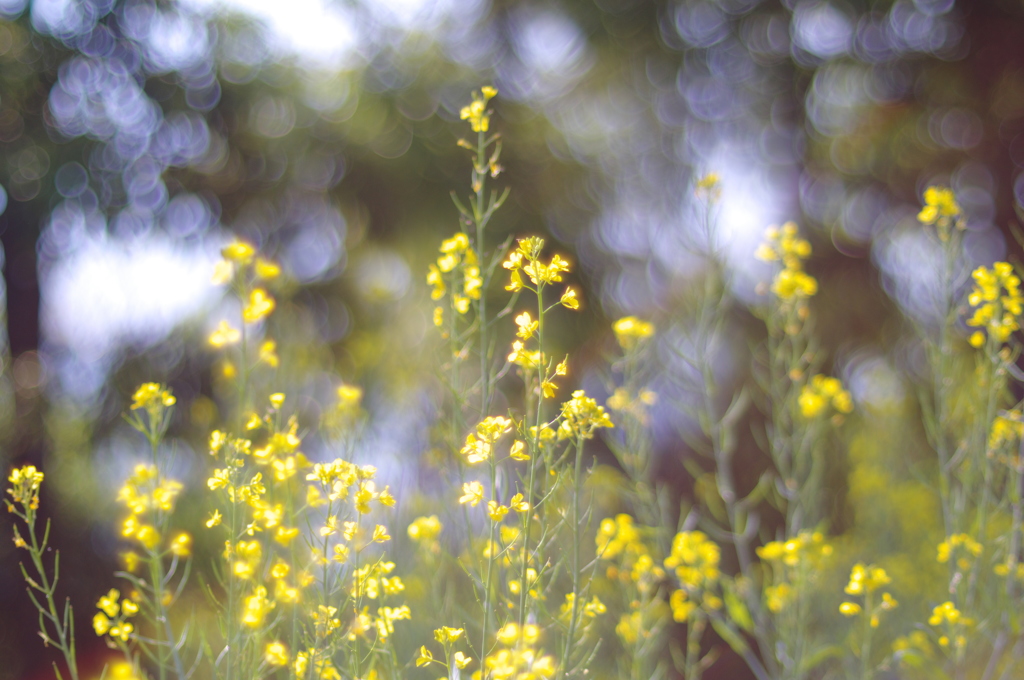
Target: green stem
{"type": "Point", "coordinates": [65, 641]}
{"type": "Point", "coordinates": [574, 613]}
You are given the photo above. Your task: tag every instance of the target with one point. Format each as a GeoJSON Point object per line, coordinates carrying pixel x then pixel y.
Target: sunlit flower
{"type": "Point", "coordinates": [224, 335]}
{"type": "Point", "coordinates": [472, 493]}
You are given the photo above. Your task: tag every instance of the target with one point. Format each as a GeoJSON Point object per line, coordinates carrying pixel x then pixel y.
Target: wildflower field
{"type": "Point", "coordinates": [534, 558]}
{"type": "Point", "coordinates": [660, 445]}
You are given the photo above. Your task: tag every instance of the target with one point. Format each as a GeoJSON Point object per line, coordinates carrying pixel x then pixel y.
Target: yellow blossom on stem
{"type": "Point", "coordinates": [472, 493]}
{"type": "Point", "coordinates": [260, 305]}
{"type": "Point", "coordinates": [224, 335]}
{"type": "Point", "coordinates": [629, 330]}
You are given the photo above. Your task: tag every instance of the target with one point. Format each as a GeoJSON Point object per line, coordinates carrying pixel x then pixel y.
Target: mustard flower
{"type": "Point", "coordinates": [821, 393]}
{"type": "Point", "coordinates": [425, 529]}
{"type": "Point", "coordinates": [260, 306]}
{"type": "Point", "coordinates": [569, 299]}
{"type": "Point", "coordinates": [447, 636]}
{"type": "Point", "coordinates": [695, 558]}
{"type": "Point", "coordinates": [998, 303]}
{"type": "Point", "coordinates": [238, 252]}
{"type": "Point", "coordinates": [380, 534]}
{"type": "Point", "coordinates": [224, 335]}
{"type": "Point", "coordinates": [181, 545]}
{"type": "Point", "coordinates": [255, 608]}
{"type": "Point", "coordinates": [581, 416]}
{"type": "Point", "coordinates": [276, 654]}
{"type": "Point", "coordinates": [425, 658]}
{"type": "Point", "coordinates": [472, 493]}
{"type": "Point", "coordinates": [476, 112]}
{"type": "Point", "coordinates": [630, 330]}
{"type": "Point", "coordinates": [152, 396]}
{"type": "Point", "coordinates": [941, 209]}
{"type": "Point", "coordinates": [25, 482]}
{"type": "Point", "coordinates": [959, 543]}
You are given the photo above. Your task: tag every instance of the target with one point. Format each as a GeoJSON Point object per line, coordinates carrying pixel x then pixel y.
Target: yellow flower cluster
{"type": "Point", "coordinates": [149, 496]}
{"type": "Point", "coordinates": [997, 301]}
{"type": "Point", "coordinates": [629, 331]}
{"type": "Point", "coordinates": [246, 272]}
{"type": "Point", "coordinates": [152, 396]}
{"type": "Point", "coordinates": [476, 113]}
{"type": "Point", "coordinates": [917, 642]}
{"type": "Point", "coordinates": [864, 581]}
{"type": "Point", "coordinates": [1007, 429]}
{"type": "Point", "coordinates": [447, 636]}
{"type": "Point", "coordinates": [425, 530]}
{"type": "Point", "coordinates": [785, 245]}
{"type": "Point", "coordinates": [951, 623]}
{"type": "Point", "coordinates": [459, 268]}
{"type": "Point", "coordinates": [525, 259]}
{"type": "Point", "coordinates": [961, 546]}
{"type": "Point", "coordinates": [111, 619]}
{"type": "Point", "coordinates": [695, 558]}
{"type": "Point", "coordinates": [479, 446]}
{"type": "Point", "coordinates": [581, 416]}
{"type": "Point", "coordinates": [794, 564]}
{"type": "Point", "coordinates": [822, 392]}
{"type": "Point", "coordinates": [621, 540]}
{"type": "Point", "coordinates": [25, 482]}
{"type": "Point", "coordinates": [518, 657]}
{"type": "Point", "coordinates": [709, 186]}
{"type": "Point", "coordinates": [941, 209]}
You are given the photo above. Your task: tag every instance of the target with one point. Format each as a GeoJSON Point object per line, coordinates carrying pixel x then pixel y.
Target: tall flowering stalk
{"type": "Point", "coordinates": [56, 625]}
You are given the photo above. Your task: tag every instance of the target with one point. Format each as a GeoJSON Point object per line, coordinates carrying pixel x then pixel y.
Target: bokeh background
{"type": "Point", "coordinates": [137, 138]}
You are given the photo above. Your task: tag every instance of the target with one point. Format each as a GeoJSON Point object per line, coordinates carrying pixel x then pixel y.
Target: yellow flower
{"type": "Point", "coordinates": [569, 300]}
{"type": "Point", "coordinates": [518, 451]}
{"type": "Point", "coordinates": [238, 252]}
{"type": "Point", "coordinates": [495, 511]}
{"type": "Point", "coordinates": [223, 272]}
{"type": "Point", "coordinates": [476, 112]}
{"type": "Point", "coordinates": [998, 302]}
{"type": "Point", "coordinates": [25, 482]}
{"type": "Point", "coordinates": [446, 635]}
{"type": "Point", "coordinates": [461, 660]}
{"type": "Point", "coordinates": [527, 326]}
{"type": "Point", "coordinates": [152, 396]}
{"type": "Point", "coordinates": [100, 623]}
{"type": "Point", "coordinates": [224, 335]}
{"type": "Point", "coordinates": [108, 603]}
{"type": "Point", "coordinates": [265, 269]}
{"type": "Point", "coordinates": [849, 609]}
{"type": "Point", "coordinates": [425, 657]}
{"type": "Point", "coordinates": [260, 305]}
{"type": "Point", "coordinates": [122, 631]}
{"type": "Point", "coordinates": [425, 529]}
{"type": "Point", "coordinates": [793, 283]}
{"type": "Point", "coordinates": [380, 534]}
{"type": "Point", "coordinates": [181, 545]}
{"type": "Point", "coordinates": [508, 634]}
{"type": "Point", "coordinates": [709, 182]}
{"type": "Point", "coordinates": [472, 493]}
{"type": "Point", "coordinates": [581, 416]}
{"type": "Point", "coordinates": [518, 504]}
{"type": "Point", "coordinates": [268, 353]}
{"type": "Point", "coordinates": [276, 654]}
{"type": "Point", "coordinates": [629, 330]}
{"type": "Point", "coordinates": [822, 392]}
{"type": "Point", "coordinates": [255, 608]}
{"type": "Point", "coordinates": [940, 208]}
{"type": "Point", "coordinates": [946, 611]}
